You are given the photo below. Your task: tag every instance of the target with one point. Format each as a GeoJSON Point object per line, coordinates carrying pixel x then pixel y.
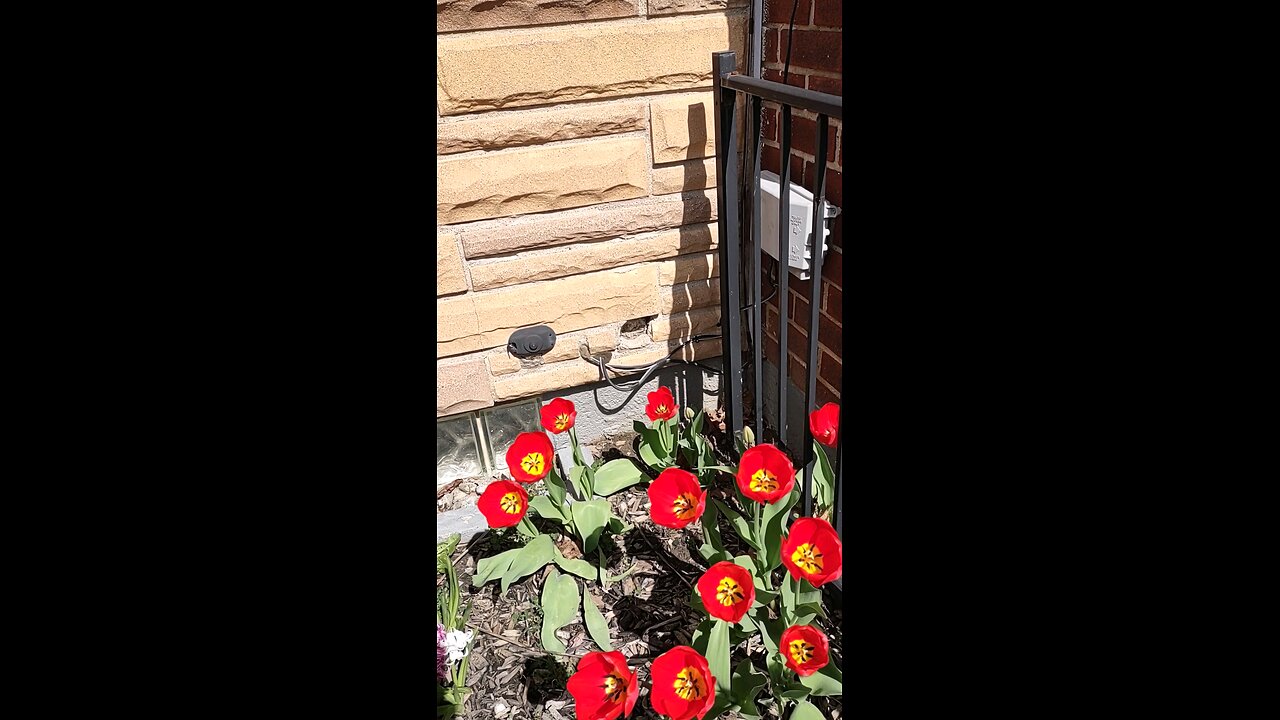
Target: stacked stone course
{"type": "Point", "coordinates": [576, 165]}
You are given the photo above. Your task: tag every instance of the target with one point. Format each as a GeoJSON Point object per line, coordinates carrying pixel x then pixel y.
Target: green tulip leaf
{"type": "Point", "coordinates": [718, 655]}
{"type": "Point", "coordinates": [577, 478]}
{"type": "Point", "coordinates": [491, 568]}
{"type": "Point", "coordinates": [531, 558]}
{"type": "Point", "coordinates": [824, 482]}
{"type": "Point", "coordinates": [590, 518]}
{"type": "Point", "coordinates": [747, 681]}
{"type": "Point", "coordinates": [827, 681]}
{"type": "Point", "coordinates": [581, 568]}
{"type": "Point", "coordinates": [548, 509]}
{"type": "Point", "coordinates": [597, 627]}
{"type": "Point", "coordinates": [744, 528]}
{"type": "Point", "coordinates": [555, 489]}
{"type": "Point", "coordinates": [617, 475]}
{"type": "Point", "coordinates": [775, 518]}
{"type": "Point", "coordinates": [559, 606]}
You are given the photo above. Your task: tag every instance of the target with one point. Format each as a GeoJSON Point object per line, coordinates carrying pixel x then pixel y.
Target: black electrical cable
{"type": "Point", "coordinates": [675, 350]}
{"type": "Point", "coordinates": [790, 38]}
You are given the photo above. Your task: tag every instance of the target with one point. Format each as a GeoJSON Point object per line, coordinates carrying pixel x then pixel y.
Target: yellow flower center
{"type": "Point", "coordinates": [614, 688]}
{"type": "Point", "coordinates": [533, 463]}
{"type": "Point", "coordinates": [662, 410]}
{"type": "Point", "coordinates": [562, 421]}
{"type": "Point", "coordinates": [690, 683]}
{"type": "Point", "coordinates": [729, 592]}
{"type": "Point", "coordinates": [801, 651]}
{"type": "Point", "coordinates": [510, 503]}
{"type": "Point", "coordinates": [764, 481]}
{"type": "Point", "coordinates": [807, 558]}
{"type": "Point", "coordinates": [684, 506]}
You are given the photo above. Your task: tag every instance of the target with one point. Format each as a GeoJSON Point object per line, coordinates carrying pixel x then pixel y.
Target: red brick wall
{"type": "Point", "coordinates": [816, 55]}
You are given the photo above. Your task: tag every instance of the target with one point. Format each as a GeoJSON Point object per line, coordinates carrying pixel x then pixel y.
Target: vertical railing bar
{"type": "Point", "coordinates": [841, 432]}
{"type": "Point", "coordinates": [815, 301]}
{"type": "Point", "coordinates": [757, 327]}
{"type": "Point", "coordinates": [757, 37]}
{"type": "Point", "coordinates": [784, 272]}
{"type": "Point", "coordinates": [725, 99]}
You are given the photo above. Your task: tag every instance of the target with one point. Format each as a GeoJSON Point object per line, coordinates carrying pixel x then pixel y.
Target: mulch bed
{"type": "Point", "coordinates": [512, 678]}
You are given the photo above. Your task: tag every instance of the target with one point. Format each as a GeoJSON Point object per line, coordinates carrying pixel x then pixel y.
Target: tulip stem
{"type": "Point", "coordinates": [759, 532]}
{"type": "Point", "coordinates": [527, 527]}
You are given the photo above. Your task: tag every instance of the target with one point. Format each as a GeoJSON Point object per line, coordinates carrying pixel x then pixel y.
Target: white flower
{"type": "Point", "coordinates": [456, 642]}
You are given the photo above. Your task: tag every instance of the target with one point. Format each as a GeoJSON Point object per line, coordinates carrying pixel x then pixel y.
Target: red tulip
{"type": "Point", "coordinates": [727, 591]}
{"type": "Point", "coordinates": [812, 551]}
{"type": "Point", "coordinates": [683, 686]}
{"type": "Point", "coordinates": [661, 406]}
{"type": "Point", "coordinates": [503, 503]}
{"type": "Point", "coordinates": [676, 499]}
{"type": "Point", "coordinates": [529, 457]}
{"type": "Point", "coordinates": [805, 649]}
{"type": "Point", "coordinates": [824, 423]}
{"type": "Point", "coordinates": [765, 474]}
{"type": "Point", "coordinates": [558, 415]}
{"type": "Point", "coordinates": [603, 688]}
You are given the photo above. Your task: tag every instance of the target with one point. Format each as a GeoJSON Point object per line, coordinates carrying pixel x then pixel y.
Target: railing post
{"type": "Point", "coordinates": [784, 268]}
{"type": "Point", "coordinates": [723, 64]}
{"type": "Point", "coordinates": [815, 302]}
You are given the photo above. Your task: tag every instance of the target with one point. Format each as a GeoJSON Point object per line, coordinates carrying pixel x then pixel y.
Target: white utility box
{"type": "Point", "coordinates": [800, 244]}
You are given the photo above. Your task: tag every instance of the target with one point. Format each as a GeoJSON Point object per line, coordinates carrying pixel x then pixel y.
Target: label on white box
{"type": "Point", "coordinates": [799, 245]}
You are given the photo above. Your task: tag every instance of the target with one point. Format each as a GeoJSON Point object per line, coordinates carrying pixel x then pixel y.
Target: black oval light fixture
{"type": "Point", "coordinates": [528, 342]}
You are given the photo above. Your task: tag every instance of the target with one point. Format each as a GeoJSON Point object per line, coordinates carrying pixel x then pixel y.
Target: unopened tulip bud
{"type": "Point", "coordinates": [748, 437]}
{"type": "Point", "coordinates": [688, 413]}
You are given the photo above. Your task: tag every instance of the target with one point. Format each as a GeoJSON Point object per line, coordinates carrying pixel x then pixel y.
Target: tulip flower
{"type": "Point", "coordinates": [603, 688]}
{"type": "Point", "coordinates": [558, 415]}
{"type": "Point", "coordinates": [503, 503]}
{"type": "Point", "coordinates": [727, 590]}
{"type": "Point", "coordinates": [661, 405]}
{"type": "Point", "coordinates": [683, 686]}
{"type": "Point", "coordinates": [824, 423]}
{"type": "Point", "coordinates": [529, 458]}
{"type": "Point", "coordinates": [676, 499]}
{"type": "Point", "coordinates": [765, 474]}
{"type": "Point", "coordinates": [805, 648]}
{"type": "Point", "coordinates": [812, 551]}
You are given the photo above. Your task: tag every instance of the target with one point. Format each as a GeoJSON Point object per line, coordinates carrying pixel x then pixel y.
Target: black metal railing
{"type": "Point", "coordinates": [730, 192]}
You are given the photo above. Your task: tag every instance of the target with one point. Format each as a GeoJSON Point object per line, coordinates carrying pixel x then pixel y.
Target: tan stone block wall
{"type": "Point", "coordinates": [686, 324]}
{"type": "Point", "coordinates": [495, 131]}
{"type": "Point", "coordinates": [670, 7]}
{"type": "Point", "coordinates": [557, 262]}
{"type": "Point", "coordinates": [683, 127]}
{"type": "Point", "coordinates": [576, 188]}
{"type": "Point", "coordinates": [688, 268]}
{"type": "Point", "coordinates": [533, 180]}
{"type": "Point", "coordinates": [542, 66]}
{"type": "Point", "coordinates": [600, 222]}
{"type": "Point", "coordinates": [450, 277]}
{"type": "Point", "coordinates": [692, 175]}
{"type": "Point", "coordinates": [456, 15]}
